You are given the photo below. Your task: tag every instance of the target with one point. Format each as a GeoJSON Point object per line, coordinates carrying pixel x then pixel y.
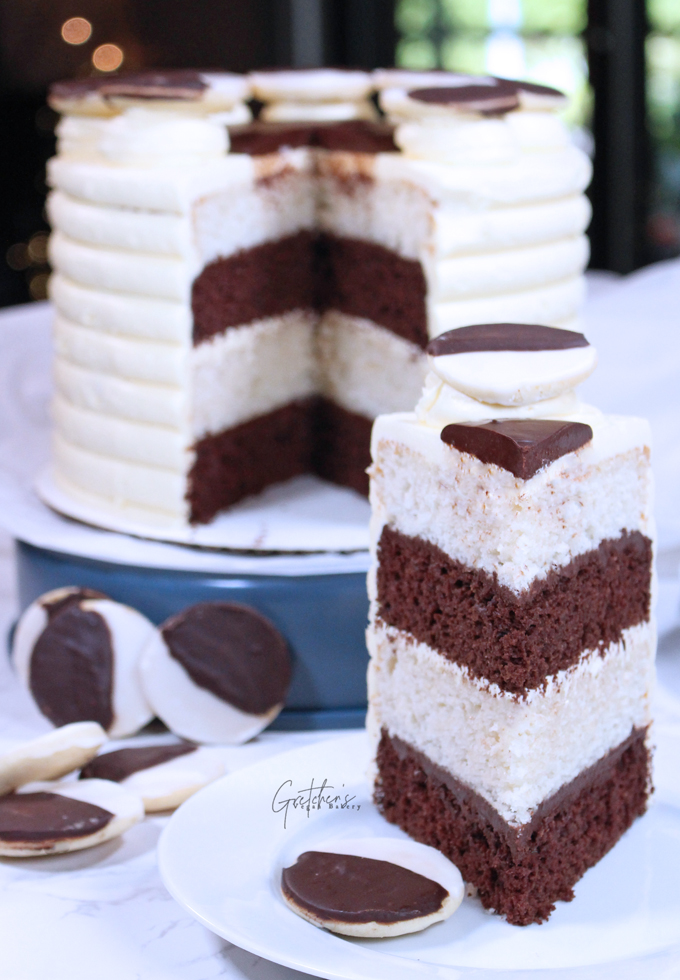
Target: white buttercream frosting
{"type": "Point", "coordinates": [147, 138]}
{"type": "Point", "coordinates": [311, 85]}
{"type": "Point", "coordinates": [301, 111]}
{"type": "Point", "coordinates": [467, 139]}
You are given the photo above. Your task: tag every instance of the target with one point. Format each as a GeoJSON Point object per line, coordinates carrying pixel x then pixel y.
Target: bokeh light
{"type": "Point", "coordinates": [37, 248]}
{"type": "Point", "coordinates": [37, 286]}
{"type": "Point", "coordinates": [107, 57]}
{"type": "Point", "coordinates": [76, 30]}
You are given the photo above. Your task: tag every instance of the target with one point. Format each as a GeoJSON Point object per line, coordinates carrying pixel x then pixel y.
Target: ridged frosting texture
{"type": "Point", "coordinates": [145, 198]}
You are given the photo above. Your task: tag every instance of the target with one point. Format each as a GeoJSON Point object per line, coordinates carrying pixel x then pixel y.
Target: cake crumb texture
{"type": "Point", "coordinates": [519, 872]}
{"type": "Point", "coordinates": [514, 641]}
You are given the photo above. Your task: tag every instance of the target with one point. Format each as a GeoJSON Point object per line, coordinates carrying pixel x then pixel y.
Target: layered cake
{"type": "Point", "coordinates": [236, 301]}
{"type": "Point", "coordinates": [511, 637]}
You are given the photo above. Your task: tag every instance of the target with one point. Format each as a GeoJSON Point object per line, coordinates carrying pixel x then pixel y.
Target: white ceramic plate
{"type": "Point", "coordinates": [222, 853]}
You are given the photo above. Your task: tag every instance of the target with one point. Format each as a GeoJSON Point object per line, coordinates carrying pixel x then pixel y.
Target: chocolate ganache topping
{"type": "Point", "coordinates": [118, 765]}
{"type": "Point", "coordinates": [522, 446]}
{"type": "Point", "coordinates": [347, 888]}
{"type": "Point", "coordinates": [232, 651]}
{"type": "Point", "coordinates": [178, 83]}
{"type": "Point", "coordinates": [504, 337]}
{"type": "Point", "coordinates": [488, 96]}
{"type": "Point", "coordinates": [71, 669]}
{"type": "Point", "coordinates": [39, 818]}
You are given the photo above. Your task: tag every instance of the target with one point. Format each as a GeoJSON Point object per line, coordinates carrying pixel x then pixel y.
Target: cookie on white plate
{"type": "Point", "coordinates": [373, 887]}
{"type": "Point", "coordinates": [77, 652]}
{"type": "Point", "coordinates": [162, 775]}
{"type": "Point", "coordinates": [51, 756]}
{"type": "Point", "coordinates": [218, 672]}
{"type": "Point", "coordinates": [51, 818]}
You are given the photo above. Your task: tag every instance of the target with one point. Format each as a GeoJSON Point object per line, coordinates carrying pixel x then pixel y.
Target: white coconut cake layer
{"type": "Point", "coordinates": [365, 368]}
{"type": "Point", "coordinates": [514, 751]}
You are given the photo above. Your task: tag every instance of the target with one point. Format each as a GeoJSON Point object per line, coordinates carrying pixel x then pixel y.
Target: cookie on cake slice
{"type": "Point", "coordinates": [511, 636]}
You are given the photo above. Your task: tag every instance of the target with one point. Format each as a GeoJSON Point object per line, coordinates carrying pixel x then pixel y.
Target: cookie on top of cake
{"type": "Point", "coordinates": [236, 301]}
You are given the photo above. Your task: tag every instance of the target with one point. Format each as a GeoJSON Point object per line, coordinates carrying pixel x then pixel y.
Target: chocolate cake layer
{"type": "Point", "coordinates": [352, 135]}
{"type": "Point", "coordinates": [342, 450]}
{"type": "Point", "coordinates": [249, 457]}
{"type": "Point", "coordinates": [514, 641]}
{"type": "Point", "coordinates": [371, 281]}
{"type": "Point", "coordinates": [267, 280]}
{"type": "Point", "coordinates": [520, 872]}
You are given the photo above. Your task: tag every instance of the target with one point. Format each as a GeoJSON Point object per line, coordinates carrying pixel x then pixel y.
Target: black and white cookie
{"type": "Point", "coordinates": [373, 887]}
{"type": "Point", "coordinates": [217, 672]}
{"type": "Point", "coordinates": [78, 652]}
{"type": "Point", "coordinates": [50, 818]}
{"type": "Point", "coordinates": [51, 756]}
{"type": "Point", "coordinates": [162, 775]}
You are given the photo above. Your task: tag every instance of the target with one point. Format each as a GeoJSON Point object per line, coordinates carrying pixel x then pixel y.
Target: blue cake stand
{"type": "Point", "coordinates": [323, 617]}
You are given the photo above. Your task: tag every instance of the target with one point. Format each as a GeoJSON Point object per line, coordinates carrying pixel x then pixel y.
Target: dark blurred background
{"type": "Point", "coordinates": [619, 60]}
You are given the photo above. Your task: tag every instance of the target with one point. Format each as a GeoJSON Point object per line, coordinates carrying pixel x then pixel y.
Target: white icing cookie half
{"type": "Point", "coordinates": [52, 818]}
{"type": "Point", "coordinates": [373, 887]}
{"type": "Point", "coordinates": [218, 672]}
{"type": "Point", "coordinates": [52, 755]}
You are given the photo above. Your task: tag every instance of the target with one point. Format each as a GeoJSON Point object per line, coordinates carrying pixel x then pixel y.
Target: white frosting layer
{"type": "Point", "coordinates": [149, 188]}
{"type": "Point", "coordinates": [365, 368]}
{"type": "Point", "coordinates": [124, 228]}
{"type": "Point", "coordinates": [516, 378]}
{"type": "Point", "coordinates": [317, 111]}
{"type": "Point", "coordinates": [148, 494]}
{"type": "Point", "coordinates": [555, 305]}
{"type": "Point", "coordinates": [472, 140]}
{"type": "Point", "coordinates": [121, 314]}
{"type": "Point", "coordinates": [517, 529]}
{"type": "Point", "coordinates": [513, 752]}
{"type": "Point", "coordinates": [144, 137]}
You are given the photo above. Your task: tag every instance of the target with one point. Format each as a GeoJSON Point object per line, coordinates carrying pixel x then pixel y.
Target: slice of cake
{"type": "Point", "coordinates": [237, 301]}
{"type": "Point", "coordinates": [511, 639]}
